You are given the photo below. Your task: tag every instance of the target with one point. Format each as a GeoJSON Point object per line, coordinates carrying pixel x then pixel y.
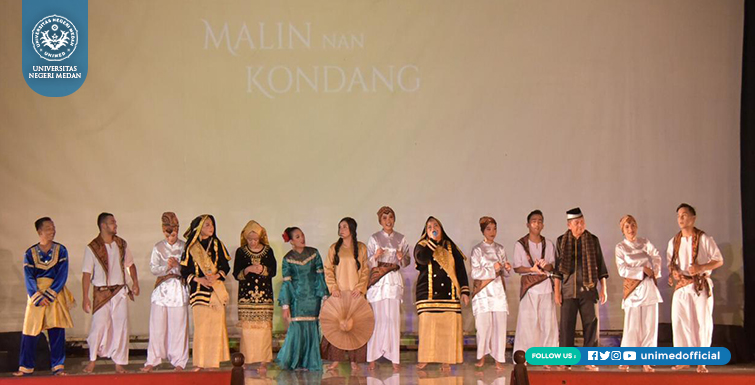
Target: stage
{"type": "Point", "coordinates": [465, 373]}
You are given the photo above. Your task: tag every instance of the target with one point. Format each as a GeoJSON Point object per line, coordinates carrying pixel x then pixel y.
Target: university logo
{"type": "Point", "coordinates": [55, 38]}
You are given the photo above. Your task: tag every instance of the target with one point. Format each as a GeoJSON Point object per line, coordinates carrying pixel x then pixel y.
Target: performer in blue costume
{"type": "Point", "coordinates": [301, 297]}
{"type": "Point", "coordinates": [45, 273]}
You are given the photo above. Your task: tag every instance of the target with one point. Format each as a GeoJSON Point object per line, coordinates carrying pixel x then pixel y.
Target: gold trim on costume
{"type": "Point", "coordinates": [25, 370]}
{"type": "Point", "coordinates": [287, 278]}
{"type": "Point", "coordinates": [45, 265]}
{"type": "Point", "coordinates": [430, 280]}
{"type": "Point", "coordinates": [295, 319]}
{"type": "Point", "coordinates": [302, 262]}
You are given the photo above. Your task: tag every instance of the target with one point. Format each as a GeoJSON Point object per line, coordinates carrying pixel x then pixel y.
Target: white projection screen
{"type": "Point", "coordinates": [303, 112]}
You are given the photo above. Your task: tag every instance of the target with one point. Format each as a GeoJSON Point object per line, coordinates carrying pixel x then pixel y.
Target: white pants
{"type": "Point", "coordinates": [386, 335]}
{"type": "Point", "coordinates": [491, 335]}
{"type": "Point", "coordinates": [692, 318]}
{"type": "Point", "coordinates": [108, 336]}
{"type": "Point", "coordinates": [640, 327]}
{"type": "Point", "coordinates": [536, 323]}
{"type": "Point", "coordinates": [168, 335]}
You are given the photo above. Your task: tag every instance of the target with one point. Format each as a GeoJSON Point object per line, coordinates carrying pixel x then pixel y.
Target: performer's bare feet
{"type": "Point", "coordinates": [396, 368]}
{"type": "Point", "coordinates": [499, 366]}
{"type": "Point", "coordinates": [333, 365]}
{"type": "Point", "coordinates": [263, 368]}
{"type": "Point", "coordinates": [680, 367]}
{"type": "Point", "coordinates": [648, 369]}
{"type": "Point", "coordinates": [90, 367]}
{"type": "Point", "coordinates": [371, 366]}
{"type": "Point", "coordinates": [624, 368]}
{"type": "Point", "coordinates": [702, 369]}
{"type": "Point", "coordinates": [480, 362]}
{"type": "Point", "coordinates": [60, 372]}
{"type": "Point", "coordinates": [421, 365]}
{"type": "Point", "coordinates": [546, 367]}
{"type": "Point", "coordinates": [354, 366]}
{"type": "Point", "coordinates": [445, 367]}
{"type": "Point", "coordinates": [120, 369]}
{"type": "Point", "coordinates": [146, 369]}
{"type": "Point", "coordinates": [592, 368]}
{"type": "Point", "coordinates": [178, 369]}
{"type": "Point", "coordinates": [19, 374]}
{"type": "Point", "coordinates": [196, 369]}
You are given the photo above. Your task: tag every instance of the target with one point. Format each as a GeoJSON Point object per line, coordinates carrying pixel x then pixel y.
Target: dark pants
{"type": "Point", "coordinates": [57, 340]}
{"type": "Point", "coordinates": [586, 304]}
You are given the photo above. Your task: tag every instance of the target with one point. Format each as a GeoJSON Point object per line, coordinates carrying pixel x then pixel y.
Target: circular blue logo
{"type": "Point", "coordinates": [54, 38]}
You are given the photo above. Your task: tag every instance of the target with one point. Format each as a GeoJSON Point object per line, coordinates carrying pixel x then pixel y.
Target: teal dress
{"type": "Point", "coordinates": [302, 290]}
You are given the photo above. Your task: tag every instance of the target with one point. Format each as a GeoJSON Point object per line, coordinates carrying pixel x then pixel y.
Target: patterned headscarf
{"type": "Point", "coordinates": [169, 221]}
{"type": "Point", "coordinates": [485, 221]}
{"type": "Point", "coordinates": [254, 227]}
{"type": "Point", "coordinates": [385, 210]}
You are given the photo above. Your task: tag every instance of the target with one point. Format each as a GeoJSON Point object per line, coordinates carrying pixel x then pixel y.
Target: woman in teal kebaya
{"type": "Point", "coordinates": [300, 297]}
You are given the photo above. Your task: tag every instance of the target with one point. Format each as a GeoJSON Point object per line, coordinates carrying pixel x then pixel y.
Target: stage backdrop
{"type": "Point", "coordinates": [301, 113]}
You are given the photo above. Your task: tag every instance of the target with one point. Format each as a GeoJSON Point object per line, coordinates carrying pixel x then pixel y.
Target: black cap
{"type": "Point", "coordinates": [574, 213]}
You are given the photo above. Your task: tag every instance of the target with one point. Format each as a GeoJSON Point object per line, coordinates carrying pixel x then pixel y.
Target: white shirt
{"type": "Point", "coordinates": [536, 252]}
{"type": "Point", "coordinates": [707, 251]}
{"type": "Point", "coordinates": [170, 293]}
{"type": "Point", "coordinates": [391, 285]}
{"type": "Point", "coordinates": [493, 297]}
{"type": "Point", "coordinates": [631, 257]}
{"type": "Point", "coordinates": [115, 276]}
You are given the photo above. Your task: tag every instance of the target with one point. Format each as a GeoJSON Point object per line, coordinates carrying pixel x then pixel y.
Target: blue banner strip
{"type": "Point", "coordinates": [654, 356]}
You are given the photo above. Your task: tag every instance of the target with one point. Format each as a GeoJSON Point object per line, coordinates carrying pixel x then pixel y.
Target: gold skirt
{"type": "Point", "coordinates": [210, 345]}
{"type": "Point", "coordinates": [440, 338]}
{"type": "Point", "coordinates": [256, 344]}
{"type": "Point", "coordinates": [55, 315]}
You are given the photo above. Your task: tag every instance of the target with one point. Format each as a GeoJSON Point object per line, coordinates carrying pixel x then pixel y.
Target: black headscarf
{"type": "Point", "coordinates": [444, 238]}
{"type": "Point", "coordinates": [192, 237]}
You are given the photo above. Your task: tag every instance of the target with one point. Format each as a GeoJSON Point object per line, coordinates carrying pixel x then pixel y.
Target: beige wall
{"type": "Point", "coordinates": [502, 107]}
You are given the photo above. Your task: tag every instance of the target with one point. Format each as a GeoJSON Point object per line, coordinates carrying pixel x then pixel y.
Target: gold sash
{"type": "Point", "coordinates": [54, 315]}
{"type": "Point", "coordinates": [204, 261]}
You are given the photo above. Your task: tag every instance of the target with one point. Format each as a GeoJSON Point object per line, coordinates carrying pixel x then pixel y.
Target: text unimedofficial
{"type": "Point", "coordinates": [681, 356]}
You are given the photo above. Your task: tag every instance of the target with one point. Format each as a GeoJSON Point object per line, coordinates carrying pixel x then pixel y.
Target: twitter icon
{"type": "Point", "coordinates": [604, 355]}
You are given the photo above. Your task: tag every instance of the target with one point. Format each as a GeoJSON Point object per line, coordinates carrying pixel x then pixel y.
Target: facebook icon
{"type": "Point", "coordinates": [592, 355]}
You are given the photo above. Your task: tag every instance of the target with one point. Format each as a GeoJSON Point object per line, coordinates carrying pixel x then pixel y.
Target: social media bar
{"type": "Point", "coordinates": [628, 356]}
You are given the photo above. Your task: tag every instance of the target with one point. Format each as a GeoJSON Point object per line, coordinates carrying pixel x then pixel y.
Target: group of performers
{"type": "Point", "coordinates": [570, 273]}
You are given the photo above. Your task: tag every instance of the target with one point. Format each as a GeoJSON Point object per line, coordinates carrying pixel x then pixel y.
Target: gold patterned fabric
{"type": "Point", "coordinates": [210, 345]}
{"type": "Point", "coordinates": [440, 338]}
{"type": "Point", "coordinates": [256, 345]}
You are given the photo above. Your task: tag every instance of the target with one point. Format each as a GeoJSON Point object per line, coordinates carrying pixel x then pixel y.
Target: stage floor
{"type": "Point", "coordinates": [465, 373]}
